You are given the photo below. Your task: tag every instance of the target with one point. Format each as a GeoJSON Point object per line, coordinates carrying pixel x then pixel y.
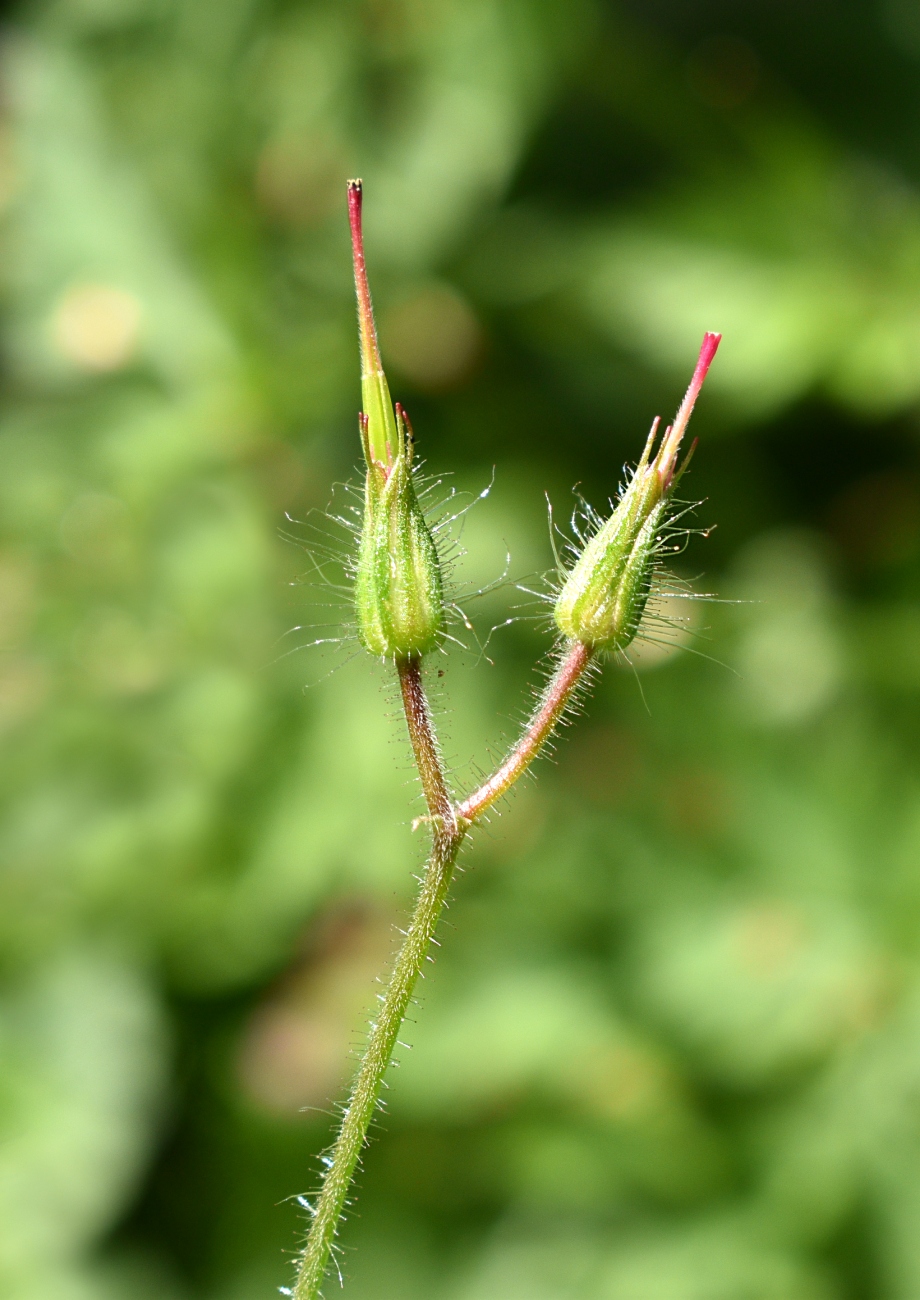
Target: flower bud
{"type": "Point", "coordinates": [398, 593]}
{"type": "Point", "coordinates": [604, 596]}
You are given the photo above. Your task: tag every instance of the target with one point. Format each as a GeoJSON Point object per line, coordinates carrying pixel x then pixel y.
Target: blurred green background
{"type": "Point", "coordinates": [670, 1049]}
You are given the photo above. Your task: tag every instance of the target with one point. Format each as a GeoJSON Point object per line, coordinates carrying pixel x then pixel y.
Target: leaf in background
{"type": "Point", "coordinates": [84, 1069]}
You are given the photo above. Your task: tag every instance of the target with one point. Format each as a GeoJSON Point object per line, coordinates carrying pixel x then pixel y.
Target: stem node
{"type": "Point", "coordinates": [449, 823]}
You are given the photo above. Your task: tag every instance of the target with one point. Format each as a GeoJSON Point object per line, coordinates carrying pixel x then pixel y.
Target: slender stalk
{"type": "Point", "coordinates": [425, 744]}
{"type": "Point", "coordinates": [449, 825]}
{"type": "Point", "coordinates": [370, 1077]}
{"type": "Point", "coordinates": [550, 709]}
{"type": "Point", "coordinates": [447, 836]}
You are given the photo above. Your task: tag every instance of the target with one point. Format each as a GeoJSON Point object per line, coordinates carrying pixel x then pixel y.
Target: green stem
{"type": "Point", "coordinates": [370, 1078]}
{"type": "Point", "coordinates": [449, 825]}
{"type": "Point", "coordinates": [447, 836]}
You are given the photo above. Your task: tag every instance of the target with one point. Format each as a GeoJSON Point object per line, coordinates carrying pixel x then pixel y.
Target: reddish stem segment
{"type": "Point", "coordinates": [548, 712]}
{"type": "Point", "coordinates": [424, 744]}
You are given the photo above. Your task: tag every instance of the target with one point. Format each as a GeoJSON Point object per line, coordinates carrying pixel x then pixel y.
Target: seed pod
{"type": "Point", "coordinates": [398, 591]}
{"type": "Point", "coordinates": [605, 594]}
{"type": "Point", "coordinates": [398, 596]}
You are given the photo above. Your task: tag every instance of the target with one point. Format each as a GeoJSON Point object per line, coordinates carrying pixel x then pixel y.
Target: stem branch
{"type": "Point", "coordinates": [449, 825]}
{"type": "Point", "coordinates": [549, 710]}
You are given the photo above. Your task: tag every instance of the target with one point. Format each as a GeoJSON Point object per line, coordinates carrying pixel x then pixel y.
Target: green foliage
{"type": "Point", "coordinates": [670, 1048]}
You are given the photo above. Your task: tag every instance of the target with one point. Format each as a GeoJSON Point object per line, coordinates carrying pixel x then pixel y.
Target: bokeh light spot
{"type": "Point", "coordinates": [97, 327]}
{"type": "Point", "coordinates": [432, 337]}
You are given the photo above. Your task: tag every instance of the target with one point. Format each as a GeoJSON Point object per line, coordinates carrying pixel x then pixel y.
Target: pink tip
{"type": "Point", "coordinates": [370, 351]}
{"type": "Point", "coordinates": [704, 361]}
{"type": "Point", "coordinates": [707, 352]}
{"type": "Point", "coordinates": [667, 457]}
{"type": "Point", "coordinates": [355, 192]}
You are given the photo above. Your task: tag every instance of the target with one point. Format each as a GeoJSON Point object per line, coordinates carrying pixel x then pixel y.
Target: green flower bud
{"type": "Point", "coordinates": [398, 591]}
{"type": "Point", "coordinates": [605, 594]}
{"type": "Point", "coordinates": [398, 595]}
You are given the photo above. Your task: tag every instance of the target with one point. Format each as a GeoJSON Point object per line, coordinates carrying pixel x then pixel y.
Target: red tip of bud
{"type": "Point", "coordinates": [355, 193]}
{"type": "Point", "coordinates": [370, 351]}
{"type": "Point", "coordinates": [666, 461]}
{"type": "Point", "coordinates": [707, 352]}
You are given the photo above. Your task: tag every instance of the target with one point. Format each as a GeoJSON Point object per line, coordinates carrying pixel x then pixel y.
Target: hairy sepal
{"type": "Point", "coordinates": [605, 594]}
{"type": "Point", "coordinates": [398, 591]}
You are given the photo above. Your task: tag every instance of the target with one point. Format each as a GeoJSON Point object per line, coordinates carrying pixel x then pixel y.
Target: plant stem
{"type": "Point", "coordinates": [549, 710]}
{"type": "Point", "coordinates": [425, 745]}
{"type": "Point", "coordinates": [370, 1078]}
{"type": "Point", "coordinates": [449, 825]}
{"type": "Point", "coordinates": [447, 835]}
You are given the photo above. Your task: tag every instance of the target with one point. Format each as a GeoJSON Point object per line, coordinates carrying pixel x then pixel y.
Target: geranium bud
{"type": "Point", "coordinates": [398, 590]}
{"type": "Point", "coordinates": [605, 594]}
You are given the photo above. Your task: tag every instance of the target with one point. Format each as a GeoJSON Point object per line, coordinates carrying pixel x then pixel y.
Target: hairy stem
{"type": "Point", "coordinates": [425, 744]}
{"type": "Point", "coordinates": [447, 835]}
{"type": "Point", "coordinates": [549, 710]}
{"type": "Point", "coordinates": [370, 1078]}
{"type": "Point", "coordinates": [449, 824]}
